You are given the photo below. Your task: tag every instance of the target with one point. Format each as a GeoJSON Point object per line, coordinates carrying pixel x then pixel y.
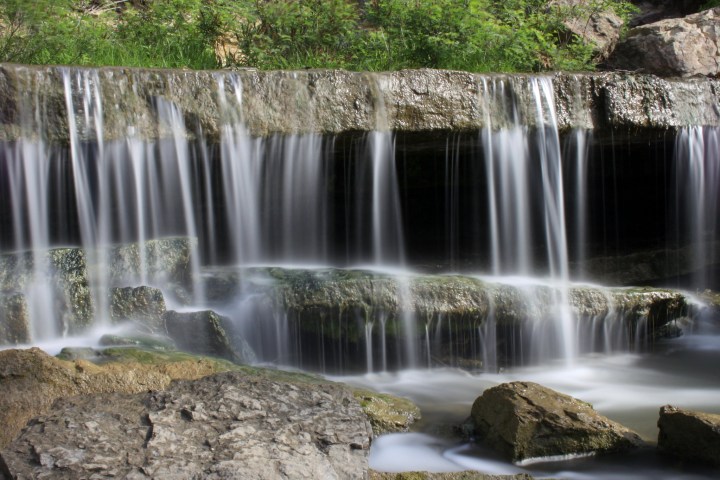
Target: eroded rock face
{"type": "Point", "coordinates": [524, 420]}
{"type": "Point", "coordinates": [600, 27]}
{"type": "Point", "coordinates": [692, 436]}
{"type": "Point", "coordinates": [674, 47]}
{"type": "Point", "coordinates": [223, 426]}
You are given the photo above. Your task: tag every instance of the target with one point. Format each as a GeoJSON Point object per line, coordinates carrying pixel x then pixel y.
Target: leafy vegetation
{"type": "Point", "coordinates": [475, 35]}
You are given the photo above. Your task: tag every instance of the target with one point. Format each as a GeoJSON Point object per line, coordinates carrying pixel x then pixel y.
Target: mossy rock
{"type": "Point", "coordinates": [387, 413]}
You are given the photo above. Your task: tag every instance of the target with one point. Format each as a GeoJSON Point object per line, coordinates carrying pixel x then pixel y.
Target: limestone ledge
{"type": "Point", "coordinates": [338, 101]}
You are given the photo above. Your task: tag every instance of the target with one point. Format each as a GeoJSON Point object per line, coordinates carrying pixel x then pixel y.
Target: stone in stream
{"type": "Point", "coordinates": [524, 421]}
{"type": "Point", "coordinates": [690, 436]}
{"type": "Point", "coordinates": [228, 425]}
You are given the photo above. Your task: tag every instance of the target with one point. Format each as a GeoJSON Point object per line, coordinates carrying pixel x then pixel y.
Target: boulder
{"type": "Point", "coordinates": [144, 305]}
{"type": "Point", "coordinates": [688, 435]}
{"type": "Point", "coordinates": [682, 47]}
{"type": "Point", "coordinates": [387, 413]}
{"type": "Point", "coordinates": [14, 319]}
{"type": "Point", "coordinates": [600, 27]}
{"type": "Point", "coordinates": [31, 380]}
{"type": "Point", "coordinates": [223, 426]}
{"type": "Point", "coordinates": [207, 333]}
{"type": "Point", "coordinates": [524, 421]}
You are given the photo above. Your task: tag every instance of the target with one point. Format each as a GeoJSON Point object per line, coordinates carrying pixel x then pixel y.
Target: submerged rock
{"type": "Point", "coordinates": [524, 420]}
{"type": "Point", "coordinates": [224, 426]}
{"type": "Point", "coordinates": [673, 47]}
{"type": "Point", "coordinates": [690, 436]}
{"type": "Point", "coordinates": [207, 333]}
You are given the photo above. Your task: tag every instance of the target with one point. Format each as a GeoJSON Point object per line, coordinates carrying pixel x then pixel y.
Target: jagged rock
{"type": "Point", "coordinates": [145, 305]}
{"type": "Point", "coordinates": [524, 420]}
{"type": "Point", "coordinates": [207, 333]}
{"type": "Point", "coordinates": [31, 380]}
{"type": "Point", "coordinates": [688, 435]}
{"type": "Point", "coordinates": [223, 426]}
{"type": "Point", "coordinates": [651, 11]}
{"type": "Point", "coordinates": [14, 319]}
{"type": "Point", "coordinates": [674, 47]}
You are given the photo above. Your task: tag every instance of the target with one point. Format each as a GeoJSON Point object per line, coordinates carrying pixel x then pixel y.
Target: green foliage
{"type": "Point", "coordinates": [710, 4]}
{"type": "Point", "coordinates": [475, 35]}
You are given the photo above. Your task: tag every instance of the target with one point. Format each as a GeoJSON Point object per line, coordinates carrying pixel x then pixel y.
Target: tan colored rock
{"type": "Point", "coordinates": [682, 47]}
{"type": "Point", "coordinates": [692, 436]}
{"type": "Point", "coordinates": [524, 420]}
{"type": "Point", "coordinates": [31, 380]}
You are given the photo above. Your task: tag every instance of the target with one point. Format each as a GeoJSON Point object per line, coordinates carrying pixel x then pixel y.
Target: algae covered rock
{"type": "Point", "coordinates": [159, 261]}
{"type": "Point", "coordinates": [688, 435]}
{"type": "Point", "coordinates": [144, 305]}
{"type": "Point", "coordinates": [387, 413]}
{"type": "Point", "coordinates": [524, 420]}
{"type": "Point", "coordinates": [228, 425]}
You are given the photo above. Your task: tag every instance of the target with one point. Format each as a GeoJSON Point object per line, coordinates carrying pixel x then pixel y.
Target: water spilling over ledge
{"type": "Point", "coordinates": [162, 177]}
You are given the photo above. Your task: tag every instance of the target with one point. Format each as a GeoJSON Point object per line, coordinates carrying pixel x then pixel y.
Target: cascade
{"type": "Point", "coordinates": [510, 205]}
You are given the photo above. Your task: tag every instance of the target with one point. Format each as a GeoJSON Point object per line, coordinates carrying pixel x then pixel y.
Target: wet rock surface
{"type": "Point", "coordinates": [144, 305]}
{"type": "Point", "coordinates": [524, 420]}
{"type": "Point", "coordinates": [690, 436]}
{"type": "Point", "coordinates": [223, 426]}
{"type": "Point", "coordinates": [207, 333]}
{"type": "Point", "coordinates": [14, 319]}
{"type": "Point", "coordinates": [683, 47]}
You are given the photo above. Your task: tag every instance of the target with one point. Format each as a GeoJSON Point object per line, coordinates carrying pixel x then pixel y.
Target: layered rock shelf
{"type": "Point", "coordinates": [336, 101]}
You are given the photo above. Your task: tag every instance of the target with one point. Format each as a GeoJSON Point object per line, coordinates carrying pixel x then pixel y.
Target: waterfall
{"type": "Point", "coordinates": [508, 205]}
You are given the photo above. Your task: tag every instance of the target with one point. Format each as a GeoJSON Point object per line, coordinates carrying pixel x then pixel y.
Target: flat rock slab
{"type": "Point", "coordinates": [228, 425]}
{"type": "Point", "coordinates": [692, 436]}
{"type": "Point", "coordinates": [524, 421]}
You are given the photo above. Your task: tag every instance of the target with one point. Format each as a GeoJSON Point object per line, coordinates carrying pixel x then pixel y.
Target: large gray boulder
{"type": "Point", "coordinates": [224, 426]}
{"type": "Point", "coordinates": [692, 436]}
{"type": "Point", "coordinates": [524, 420]}
{"type": "Point", "coordinates": [682, 47]}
